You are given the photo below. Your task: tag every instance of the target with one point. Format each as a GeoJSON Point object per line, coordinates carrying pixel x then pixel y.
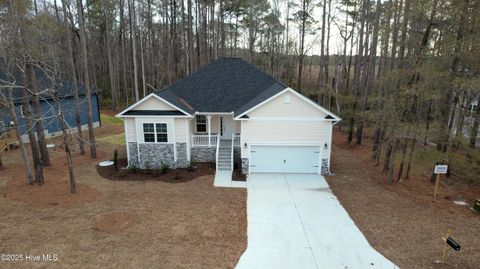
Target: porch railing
{"type": "Point", "coordinates": [204, 141]}
{"type": "Point", "coordinates": [216, 153]}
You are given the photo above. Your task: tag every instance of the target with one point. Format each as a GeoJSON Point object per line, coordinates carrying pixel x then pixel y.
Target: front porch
{"type": "Point", "coordinates": [215, 137]}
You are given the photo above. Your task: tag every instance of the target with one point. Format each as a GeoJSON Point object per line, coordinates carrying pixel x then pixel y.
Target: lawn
{"type": "Point", "coordinates": [402, 220]}
{"type": "Point", "coordinates": [110, 119]}
{"type": "Point", "coordinates": [118, 224]}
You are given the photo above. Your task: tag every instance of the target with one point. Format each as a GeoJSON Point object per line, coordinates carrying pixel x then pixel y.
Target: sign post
{"type": "Point", "coordinates": [439, 169]}
{"type": "Point", "coordinates": [449, 242]}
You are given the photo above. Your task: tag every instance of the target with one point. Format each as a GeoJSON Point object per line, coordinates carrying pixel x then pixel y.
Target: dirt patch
{"type": "Point", "coordinates": [401, 220]}
{"type": "Point", "coordinates": [55, 191]}
{"type": "Point", "coordinates": [189, 225]}
{"type": "Point", "coordinates": [180, 175]}
{"type": "Point", "coordinates": [114, 222]}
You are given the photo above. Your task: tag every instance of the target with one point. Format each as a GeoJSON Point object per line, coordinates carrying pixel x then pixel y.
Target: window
{"type": "Point", "coordinates": [155, 133]}
{"type": "Point", "coordinates": [161, 132]}
{"type": "Point", "coordinates": [148, 132]}
{"type": "Point", "coordinates": [201, 123]}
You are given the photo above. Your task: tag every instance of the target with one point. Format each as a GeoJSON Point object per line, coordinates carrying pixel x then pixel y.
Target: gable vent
{"type": "Point", "coordinates": [287, 99]}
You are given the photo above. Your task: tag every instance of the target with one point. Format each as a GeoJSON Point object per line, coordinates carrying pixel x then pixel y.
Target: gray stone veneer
{"type": "Point", "coordinates": [132, 151]}
{"type": "Point", "coordinates": [204, 154]}
{"type": "Point", "coordinates": [182, 160]}
{"type": "Point", "coordinates": [154, 155]}
{"type": "Point", "coordinates": [324, 168]}
{"type": "Point", "coordinates": [244, 166]}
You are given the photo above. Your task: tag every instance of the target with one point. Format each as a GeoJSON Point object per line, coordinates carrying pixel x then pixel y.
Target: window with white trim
{"type": "Point", "coordinates": [161, 129]}
{"type": "Point", "coordinates": [155, 133]}
{"type": "Point", "coordinates": [148, 133]}
{"type": "Point", "coordinates": [201, 123]}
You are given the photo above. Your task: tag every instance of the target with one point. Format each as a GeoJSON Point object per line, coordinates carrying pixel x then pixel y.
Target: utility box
{"type": "Point", "coordinates": [476, 205]}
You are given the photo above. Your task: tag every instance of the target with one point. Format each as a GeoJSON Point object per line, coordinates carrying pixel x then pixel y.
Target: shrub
{"type": "Point", "coordinates": [147, 168]}
{"type": "Point", "coordinates": [191, 166]}
{"type": "Point", "coordinates": [164, 168]}
{"type": "Point", "coordinates": [133, 168]}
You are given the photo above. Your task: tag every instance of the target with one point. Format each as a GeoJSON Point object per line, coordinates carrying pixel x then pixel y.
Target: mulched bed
{"type": "Point", "coordinates": [237, 175]}
{"type": "Point", "coordinates": [179, 175]}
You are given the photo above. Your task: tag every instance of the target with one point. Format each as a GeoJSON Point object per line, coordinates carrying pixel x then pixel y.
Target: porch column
{"type": "Point", "coordinates": [209, 121]}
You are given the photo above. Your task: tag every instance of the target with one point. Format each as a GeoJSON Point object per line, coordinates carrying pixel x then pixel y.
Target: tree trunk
{"type": "Point", "coordinates": [73, 74]}
{"type": "Point", "coordinates": [37, 117]}
{"type": "Point", "coordinates": [88, 91]}
{"type": "Point", "coordinates": [402, 160]}
{"type": "Point", "coordinates": [18, 132]}
{"type": "Point", "coordinates": [357, 71]}
{"type": "Point", "coordinates": [37, 162]}
{"type": "Point", "coordinates": [66, 144]}
{"type": "Point", "coordinates": [474, 130]}
{"type": "Point", "coordinates": [111, 72]}
{"type": "Point", "coordinates": [133, 30]}
{"type": "Point", "coordinates": [370, 76]}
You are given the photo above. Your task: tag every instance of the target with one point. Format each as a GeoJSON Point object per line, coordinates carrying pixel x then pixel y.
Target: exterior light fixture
{"type": "Point", "coordinates": [326, 146]}
{"type": "Point", "coordinates": [245, 145]}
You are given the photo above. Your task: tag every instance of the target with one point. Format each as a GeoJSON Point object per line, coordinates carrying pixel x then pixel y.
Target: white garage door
{"type": "Point", "coordinates": [284, 159]}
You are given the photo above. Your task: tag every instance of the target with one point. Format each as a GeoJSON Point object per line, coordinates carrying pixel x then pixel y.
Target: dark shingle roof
{"type": "Point", "coordinates": [154, 113]}
{"type": "Point", "coordinates": [225, 85]}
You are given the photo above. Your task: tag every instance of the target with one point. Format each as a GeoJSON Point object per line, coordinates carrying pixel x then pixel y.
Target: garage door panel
{"type": "Point", "coordinates": [284, 159]}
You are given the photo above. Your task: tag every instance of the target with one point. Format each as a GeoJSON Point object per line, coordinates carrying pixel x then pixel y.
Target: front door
{"type": "Point", "coordinates": [227, 127]}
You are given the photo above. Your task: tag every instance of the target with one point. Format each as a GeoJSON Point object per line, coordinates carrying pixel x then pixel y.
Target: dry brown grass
{"type": "Point", "coordinates": [146, 224]}
{"type": "Point", "coordinates": [401, 220]}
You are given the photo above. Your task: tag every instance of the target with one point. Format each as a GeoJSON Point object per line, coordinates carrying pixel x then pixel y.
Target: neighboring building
{"type": "Point", "coordinates": [467, 122]}
{"type": "Point", "coordinates": [49, 108]}
{"type": "Point", "coordinates": [230, 111]}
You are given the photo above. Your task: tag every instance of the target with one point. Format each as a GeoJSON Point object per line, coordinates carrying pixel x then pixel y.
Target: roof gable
{"type": "Point", "coordinates": [289, 103]}
{"type": "Point", "coordinates": [151, 103]}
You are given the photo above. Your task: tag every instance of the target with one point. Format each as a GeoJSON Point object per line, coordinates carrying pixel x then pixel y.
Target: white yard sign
{"type": "Point", "coordinates": [441, 169]}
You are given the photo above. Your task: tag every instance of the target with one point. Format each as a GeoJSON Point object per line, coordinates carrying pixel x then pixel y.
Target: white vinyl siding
{"type": "Point", "coordinates": [130, 132]}
{"type": "Point", "coordinates": [277, 107]}
{"type": "Point", "coordinates": [154, 103]}
{"type": "Point", "coordinates": [287, 133]}
{"type": "Point", "coordinates": [180, 130]}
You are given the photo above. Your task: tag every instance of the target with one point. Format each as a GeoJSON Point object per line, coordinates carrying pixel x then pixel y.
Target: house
{"type": "Point", "coordinates": [230, 112]}
{"type": "Point", "coordinates": [49, 107]}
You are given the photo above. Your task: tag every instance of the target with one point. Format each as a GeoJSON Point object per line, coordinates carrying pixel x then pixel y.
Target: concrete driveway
{"type": "Point", "coordinates": [294, 221]}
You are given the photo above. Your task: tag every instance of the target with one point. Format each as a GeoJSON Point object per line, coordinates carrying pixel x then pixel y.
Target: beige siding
{"type": "Point", "coordinates": [130, 133]}
{"type": "Point", "coordinates": [277, 107]}
{"type": "Point", "coordinates": [180, 130]}
{"type": "Point", "coordinates": [154, 103]}
{"type": "Point", "coordinates": [215, 124]}
{"type": "Point", "coordinates": [286, 132]}
{"type": "Point", "coordinates": [237, 126]}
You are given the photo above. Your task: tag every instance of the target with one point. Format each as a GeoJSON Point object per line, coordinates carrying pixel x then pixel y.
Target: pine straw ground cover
{"type": "Point", "coordinates": [138, 224]}
{"type": "Point", "coordinates": [401, 220]}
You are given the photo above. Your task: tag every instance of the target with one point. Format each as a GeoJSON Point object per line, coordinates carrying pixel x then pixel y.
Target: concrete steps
{"type": "Point", "coordinates": [225, 155]}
